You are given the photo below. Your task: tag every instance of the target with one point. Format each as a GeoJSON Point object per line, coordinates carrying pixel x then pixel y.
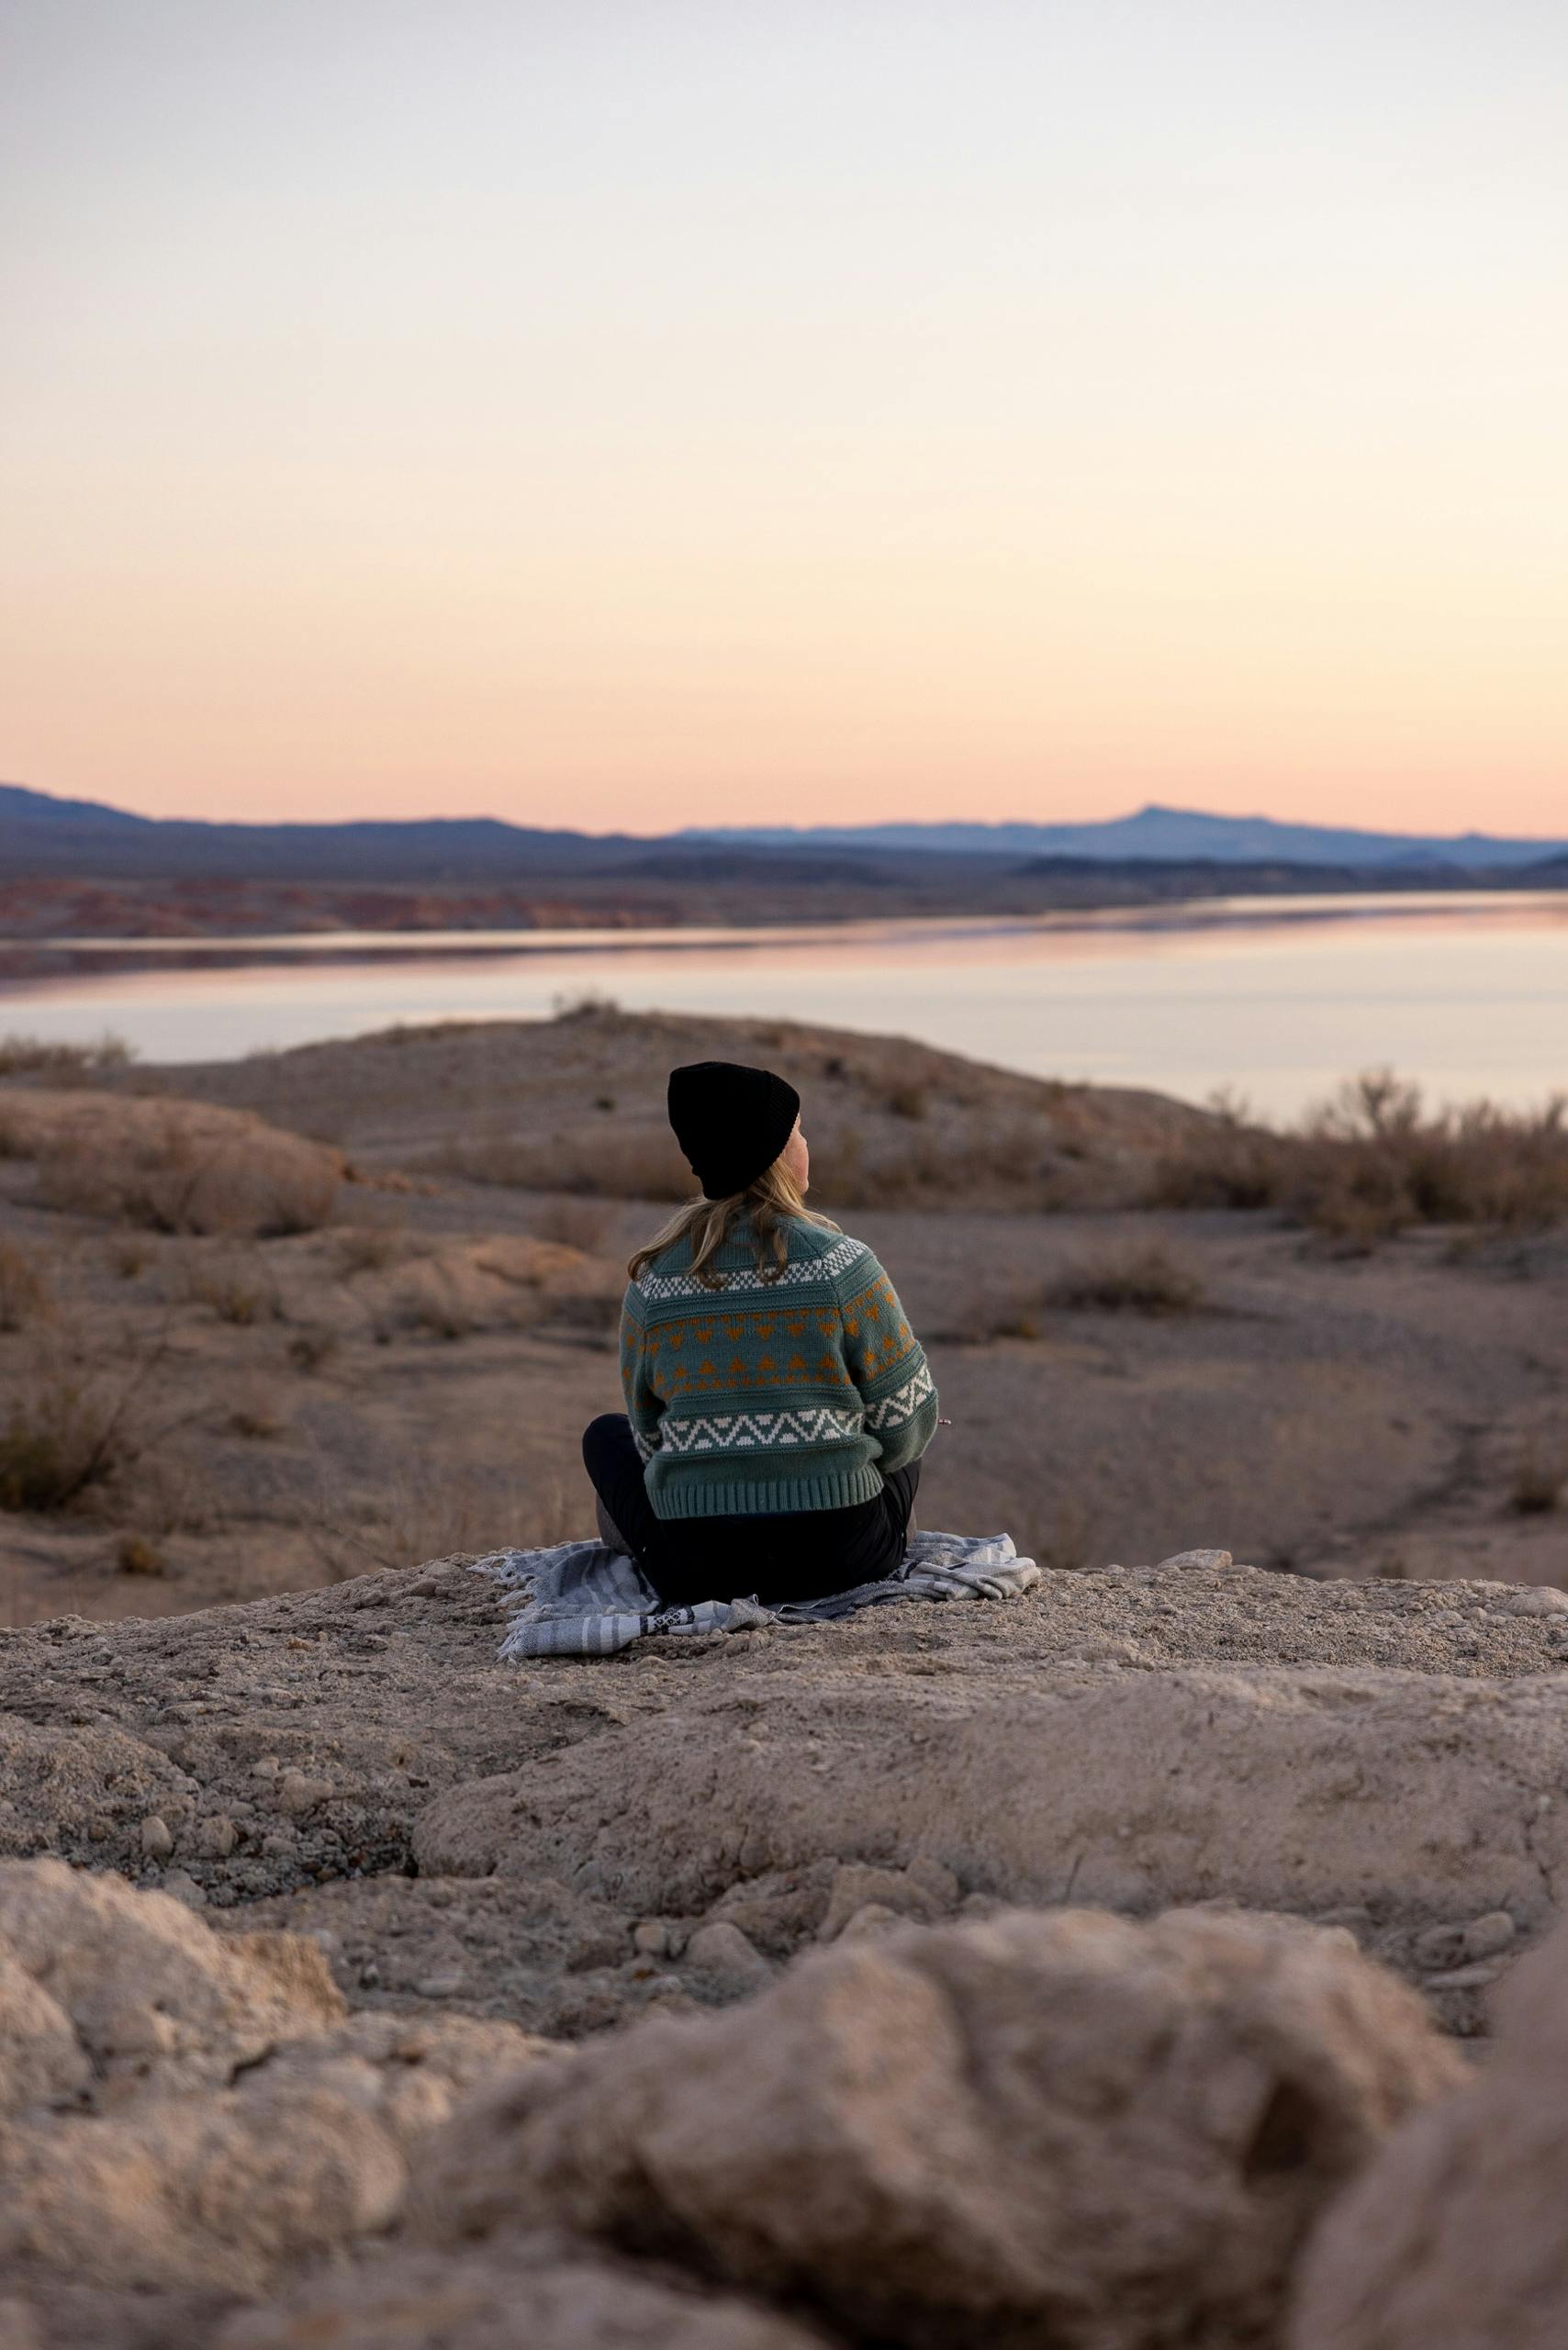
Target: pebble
{"type": "Point", "coordinates": [1539, 1599]}
{"type": "Point", "coordinates": [438, 1986]}
{"type": "Point", "coordinates": [722, 1949]}
{"type": "Point", "coordinates": [185, 1888]}
{"type": "Point", "coordinates": [1439, 1946]}
{"type": "Point", "coordinates": [1463, 1978]}
{"type": "Point", "coordinates": [872, 1918]}
{"type": "Point", "coordinates": [1195, 1559]}
{"type": "Point", "coordinates": [156, 1841]}
{"type": "Point", "coordinates": [1485, 1936]}
{"type": "Point", "coordinates": [652, 1935]}
{"type": "Point", "coordinates": [298, 1792]}
{"type": "Point", "coordinates": [217, 1837]}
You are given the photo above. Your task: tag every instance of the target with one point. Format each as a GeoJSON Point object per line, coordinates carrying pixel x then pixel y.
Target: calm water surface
{"type": "Point", "coordinates": [1277, 1000]}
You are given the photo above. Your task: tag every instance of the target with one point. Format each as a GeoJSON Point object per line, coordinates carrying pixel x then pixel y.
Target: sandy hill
{"type": "Point", "coordinates": [578, 1104]}
{"type": "Point", "coordinates": [1050, 1973]}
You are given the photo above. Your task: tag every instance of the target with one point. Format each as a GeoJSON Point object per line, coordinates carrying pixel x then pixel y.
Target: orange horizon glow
{"type": "Point", "coordinates": [626, 419]}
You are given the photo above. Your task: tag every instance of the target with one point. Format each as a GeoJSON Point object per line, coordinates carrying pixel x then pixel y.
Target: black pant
{"type": "Point", "coordinates": [798, 1554]}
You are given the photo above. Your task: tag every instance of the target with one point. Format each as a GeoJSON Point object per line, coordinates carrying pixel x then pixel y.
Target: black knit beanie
{"type": "Point", "coordinates": [732, 1122]}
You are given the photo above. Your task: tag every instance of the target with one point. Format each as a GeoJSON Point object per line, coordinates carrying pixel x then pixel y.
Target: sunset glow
{"type": "Point", "coordinates": [623, 415]}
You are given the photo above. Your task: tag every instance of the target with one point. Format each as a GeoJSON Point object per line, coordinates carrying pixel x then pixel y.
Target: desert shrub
{"type": "Point", "coordinates": [129, 1256]}
{"type": "Point", "coordinates": [1144, 1277]}
{"type": "Point", "coordinates": [1374, 1161]}
{"type": "Point", "coordinates": [1539, 1482]}
{"type": "Point", "coordinates": [172, 1179]}
{"type": "Point", "coordinates": [26, 1293]}
{"type": "Point", "coordinates": [256, 1411]}
{"type": "Point", "coordinates": [32, 1056]}
{"type": "Point", "coordinates": [135, 1555]}
{"type": "Point", "coordinates": [369, 1247]}
{"type": "Point", "coordinates": [67, 1431]}
{"type": "Point", "coordinates": [312, 1348]}
{"type": "Point", "coordinates": [909, 1101]}
{"type": "Point", "coordinates": [238, 1291]}
{"type": "Point", "coordinates": [1233, 1163]}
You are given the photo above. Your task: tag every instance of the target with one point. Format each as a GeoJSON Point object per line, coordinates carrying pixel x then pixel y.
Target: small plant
{"type": "Point", "coordinates": [256, 1413]}
{"type": "Point", "coordinates": [369, 1247]}
{"type": "Point", "coordinates": [237, 1293]}
{"type": "Point", "coordinates": [312, 1348]}
{"type": "Point", "coordinates": [135, 1555]}
{"type": "Point", "coordinates": [1146, 1278]}
{"type": "Point", "coordinates": [1537, 1484]}
{"type": "Point", "coordinates": [129, 1256]}
{"type": "Point", "coordinates": [908, 1100]}
{"type": "Point", "coordinates": [26, 1294]}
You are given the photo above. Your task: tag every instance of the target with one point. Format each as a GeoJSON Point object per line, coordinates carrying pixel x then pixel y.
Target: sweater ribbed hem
{"type": "Point", "coordinates": [673, 1497]}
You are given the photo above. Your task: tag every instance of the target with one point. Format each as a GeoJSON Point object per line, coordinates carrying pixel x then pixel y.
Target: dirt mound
{"type": "Point", "coordinates": [173, 1166]}
{"type": "Point", "coordinates": [577, 1103]}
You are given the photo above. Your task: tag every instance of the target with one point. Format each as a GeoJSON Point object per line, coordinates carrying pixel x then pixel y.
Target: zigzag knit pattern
{"type": "Point", "coordinates": [782, 1389]}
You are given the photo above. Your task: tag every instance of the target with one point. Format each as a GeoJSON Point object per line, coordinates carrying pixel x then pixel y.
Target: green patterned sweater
{"type": "Point", "coordinates": [768, 1395]}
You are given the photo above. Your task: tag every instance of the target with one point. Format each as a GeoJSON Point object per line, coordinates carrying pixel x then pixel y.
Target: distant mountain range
{"type": "Point", "coordinates": [41, 835]}
{"type": "Point", "coordinates": [1167, 834]}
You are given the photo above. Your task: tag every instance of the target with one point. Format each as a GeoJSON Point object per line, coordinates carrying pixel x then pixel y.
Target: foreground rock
{"type": "Point", "coordinates": [395, 1863]}
{"type": "Point", "coordinates": [1457, 2238]}
{"type": "Point", "coordinates": [181, 2111]}
{"type": "Point", "coordinates": [1060, 2131]}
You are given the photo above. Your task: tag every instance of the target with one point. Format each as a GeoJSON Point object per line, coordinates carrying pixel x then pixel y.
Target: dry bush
{"type": "Point", "coordinates": [171, 1179]}
{"type": "Point", "coordinates": [75, 1425]}
{"type": "Point", "coordinates": [238, 1290]}
{"type": "Point", "coordinates": [70, 1429]}
{"type": "Point", "coordinates": [135, 1555]}
{"type": "Point", "coordinates": [313, 1348]}
{"type": "Point", "coordinates": [370, 1247]}
{"type": "Point", "coordinates": [31, 1056]}
{"type": "Point", "coordinates": [256, 1411]}
{"type": "Point", "coordinates": [129, 1256]}
{"type": "Point", "coordinates": [1143, 1277]}
{"type": "Point", "coordinates": [1537, 1484]}
{"type": "Point", "coordinates": [26, 1293]}
{"type": "Point", "coordinates": [1375, 1161]}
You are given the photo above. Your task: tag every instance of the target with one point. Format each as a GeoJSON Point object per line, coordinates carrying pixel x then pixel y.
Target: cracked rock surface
{"type": "Point", "coordinates": [310, 1896]}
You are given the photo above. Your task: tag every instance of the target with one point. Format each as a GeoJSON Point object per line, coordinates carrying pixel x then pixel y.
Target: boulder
{"type": "Point", "coordinates": [1053, 2132]}
{"type": "Point", "coordinates": [1456, 2238]}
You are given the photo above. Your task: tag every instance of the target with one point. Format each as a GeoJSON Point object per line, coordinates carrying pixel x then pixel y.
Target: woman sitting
{"type": "Point", "coordinates": [777, 1402]}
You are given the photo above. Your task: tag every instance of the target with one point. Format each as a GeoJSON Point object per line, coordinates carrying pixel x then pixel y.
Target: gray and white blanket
{"type": "Point", "coordinates": [581, 1599]}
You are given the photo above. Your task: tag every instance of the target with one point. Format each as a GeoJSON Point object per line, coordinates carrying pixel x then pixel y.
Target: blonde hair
{"type": "Point", "coordinates": [771, 1201]}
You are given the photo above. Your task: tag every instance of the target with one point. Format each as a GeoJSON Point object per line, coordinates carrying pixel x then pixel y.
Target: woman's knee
{"type": "Point", "coordinates": [602, 1438]}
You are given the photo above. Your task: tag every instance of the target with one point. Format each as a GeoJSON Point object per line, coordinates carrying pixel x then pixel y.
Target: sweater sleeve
{"type": "Point", "coordinates": [645, 1409]}
{"type": "Point", "coordinates": [887, 1364]}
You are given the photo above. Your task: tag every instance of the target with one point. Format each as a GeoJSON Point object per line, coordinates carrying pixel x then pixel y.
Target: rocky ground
{"type": "Point", "coordinates": [849, 1926]}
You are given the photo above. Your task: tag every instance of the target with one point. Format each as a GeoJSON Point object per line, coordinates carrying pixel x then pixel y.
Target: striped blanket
{"type": "Point", "coordinates": [581, 1599]}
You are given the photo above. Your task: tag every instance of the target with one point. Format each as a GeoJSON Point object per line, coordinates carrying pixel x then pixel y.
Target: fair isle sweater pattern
{"type": "Point", "coordinates": [795, 1392]}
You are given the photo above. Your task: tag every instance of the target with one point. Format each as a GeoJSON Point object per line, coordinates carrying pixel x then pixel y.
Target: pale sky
{"type": "Point", "coordinates": [644, 412]}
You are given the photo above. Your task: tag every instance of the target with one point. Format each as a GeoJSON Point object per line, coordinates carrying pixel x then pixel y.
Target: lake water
{"type": "Point", "coordinates": [1277, 1000]}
